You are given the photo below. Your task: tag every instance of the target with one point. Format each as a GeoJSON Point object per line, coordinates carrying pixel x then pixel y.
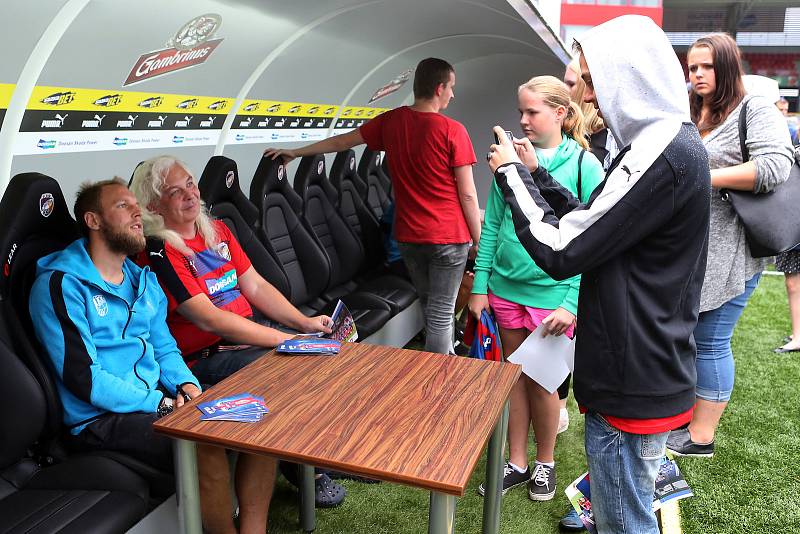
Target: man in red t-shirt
{"type": "Point", "coordinates": [436, 215]}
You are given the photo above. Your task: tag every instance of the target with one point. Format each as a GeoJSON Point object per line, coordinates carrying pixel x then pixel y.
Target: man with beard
{"type": "Point", "coordinates": [102, 321]}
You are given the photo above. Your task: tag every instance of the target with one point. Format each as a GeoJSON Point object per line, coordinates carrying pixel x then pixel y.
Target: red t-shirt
{"type": "Point", "coordinates": [422, 149]}
{"type": "Point", "coordinates": [214, 273]}
{"type": "Point", "coordinates": [648, 426]}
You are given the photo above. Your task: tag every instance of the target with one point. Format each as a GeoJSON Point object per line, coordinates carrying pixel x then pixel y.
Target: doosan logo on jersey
{"type": "Point", "coordinates": [226, 281]}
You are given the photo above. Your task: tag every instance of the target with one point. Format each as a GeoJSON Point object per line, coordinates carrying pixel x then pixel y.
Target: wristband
{"type": "Point", "coordinates": [185, 395]}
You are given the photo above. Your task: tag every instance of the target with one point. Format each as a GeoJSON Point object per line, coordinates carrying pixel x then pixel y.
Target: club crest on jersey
{"type": "Point", "coordinates": [100, 305]}
{"type": "Point", "coordinates": [224, 251]}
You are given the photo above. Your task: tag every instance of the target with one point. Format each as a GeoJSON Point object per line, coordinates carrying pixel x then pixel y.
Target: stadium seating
{"type": "Point", "coordinates": [35, 221]}
{"type": "Point", "coordinates": [298, 254]}
{"type": "Point", "coordinates": [375, 194]}
{"type": "Point", "coordinates": [80, 495]}
{"type": "Point", "coordinates": [220, 190]}
{"type": "Point", "coordinates": [342, 246]}
{"type": "Point", "coordinates": [348, 185]}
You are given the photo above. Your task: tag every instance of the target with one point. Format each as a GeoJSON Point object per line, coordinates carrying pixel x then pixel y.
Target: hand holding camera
{"type": "Point", "coordinates": [526, 153]}
{"type": "Point", "coordinates": [503, 151]}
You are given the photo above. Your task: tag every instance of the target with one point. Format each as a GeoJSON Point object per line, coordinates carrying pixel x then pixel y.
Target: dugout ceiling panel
{"type": "Point", "coordinates": [22, 26]}
{"type": "Point", "coordinates": [94, 116]}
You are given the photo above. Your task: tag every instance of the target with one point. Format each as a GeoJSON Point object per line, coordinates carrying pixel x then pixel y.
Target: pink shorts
{"type": "Point", "coordinates": [511, 315]}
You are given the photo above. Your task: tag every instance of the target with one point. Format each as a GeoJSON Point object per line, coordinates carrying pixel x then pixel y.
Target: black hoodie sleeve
{"type": "Point", "coordinates": [558, 197]}
{"type": "Point", "coordinates": [586, 237]}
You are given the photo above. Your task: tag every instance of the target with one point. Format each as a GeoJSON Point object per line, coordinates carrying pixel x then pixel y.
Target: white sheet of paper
{"type": "Point", "coordinates": [546, 360]}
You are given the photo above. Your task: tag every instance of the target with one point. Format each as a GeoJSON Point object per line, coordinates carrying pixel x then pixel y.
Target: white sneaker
{"type": "Point", "coordinates": [563, 420]}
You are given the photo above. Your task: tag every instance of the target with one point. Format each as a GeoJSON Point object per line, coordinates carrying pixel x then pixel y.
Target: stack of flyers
{"type": "Point", "coordinates": [670, 485]}
{"type": "Point", "coordinates": [309, 346]}
{"type": "Point", "coordinates": [244, 408]}
{"type": "Point", "coordinates": [343, 328]}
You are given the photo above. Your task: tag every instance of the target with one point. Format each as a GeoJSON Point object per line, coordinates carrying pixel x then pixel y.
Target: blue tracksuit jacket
{"type": "Point", "coordinates": [109, 354]}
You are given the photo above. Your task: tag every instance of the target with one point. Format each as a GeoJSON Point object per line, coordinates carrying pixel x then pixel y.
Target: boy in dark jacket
{"type": "Point", "coordinates": [640, 244]}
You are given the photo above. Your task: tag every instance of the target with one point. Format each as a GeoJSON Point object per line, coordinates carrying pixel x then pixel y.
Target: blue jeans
{"type": "Point", "coordinates": [221, 365]}
{"type": "Point", "coordinates": [622, 476]}
{"type": "Point", "coordinates": [715, 365]}
{"type": "Point", "coordinates": [436, 272]}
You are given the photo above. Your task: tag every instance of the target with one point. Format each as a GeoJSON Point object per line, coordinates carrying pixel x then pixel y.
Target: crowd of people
{"type": "Point", "coordinates": [603, 223]}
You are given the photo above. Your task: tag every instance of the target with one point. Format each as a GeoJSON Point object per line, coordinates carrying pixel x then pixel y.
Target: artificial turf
{"type": "Point", "coordinates": [752, 485]}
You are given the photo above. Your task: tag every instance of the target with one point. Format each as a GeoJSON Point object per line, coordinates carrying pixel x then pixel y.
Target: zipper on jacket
{"type": "Point", "coordinates": [144, 345]}
{"type": "Point", "coordinates": [130, 307]}
{"type": "Point", "coordinates": [144, 349]}
{"type": "Point", "coordinates": [125, 328]}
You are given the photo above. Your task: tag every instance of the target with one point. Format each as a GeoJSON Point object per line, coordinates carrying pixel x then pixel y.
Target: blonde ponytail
{"type": "Point", "coordinates": [573, 125]}
{"type": "Point", "coordinates": [591, 120]}
{"type": "Point", "coordinates": [555, 93]}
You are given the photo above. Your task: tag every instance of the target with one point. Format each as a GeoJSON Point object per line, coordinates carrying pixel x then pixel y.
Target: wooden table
{"type": "Point", "coordinates": [397, 415]}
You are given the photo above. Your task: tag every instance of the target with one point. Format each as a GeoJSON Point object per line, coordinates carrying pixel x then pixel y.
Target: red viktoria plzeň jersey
{"type": "Point", "coordinates": [423, 148]}
{"type": "Point", "coordinates": [214, 273]}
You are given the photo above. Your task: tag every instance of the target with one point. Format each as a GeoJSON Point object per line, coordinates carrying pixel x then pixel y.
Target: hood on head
{"type": "Point", "coordinates": [637, 77]}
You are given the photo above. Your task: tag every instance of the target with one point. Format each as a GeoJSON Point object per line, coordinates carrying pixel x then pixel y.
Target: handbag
{"type": "Point", "coordinates": [771, 222]}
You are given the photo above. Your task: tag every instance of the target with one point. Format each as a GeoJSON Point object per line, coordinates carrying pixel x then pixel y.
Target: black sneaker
{"type": "Point", "coordinates": [511, 479]}
{"type": "Point", "coordinates": [542, 486]}
{"type": "Point", "coordinates": [680, 443]}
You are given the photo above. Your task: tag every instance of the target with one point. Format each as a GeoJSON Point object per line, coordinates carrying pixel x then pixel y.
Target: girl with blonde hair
{"type": "Point", "coordinates": [601, 142]}
{"type": "Point", "coordinates": [577, 87]}
{"type": "Point", "coordinates": [520, 293]}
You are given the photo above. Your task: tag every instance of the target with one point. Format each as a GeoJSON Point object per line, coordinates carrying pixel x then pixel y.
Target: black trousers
{"type": "Point", "coordinates": [128, 433]}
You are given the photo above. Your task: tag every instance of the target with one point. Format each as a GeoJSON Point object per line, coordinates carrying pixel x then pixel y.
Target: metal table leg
{"type": "Point", "coordinates": [187, 487]}
{"type": "Point", "coordinates": [494, 475]}
{"type": "Point", "coordinates": [308, 520]}
{"type": "Point", "coordinates": [442, 513]}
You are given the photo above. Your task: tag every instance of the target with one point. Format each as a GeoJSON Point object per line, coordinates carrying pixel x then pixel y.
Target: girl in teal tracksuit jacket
{"type": "Point", "coordinates": [520, 293]}
{"type": "Point", "coordinates": [110, 350]}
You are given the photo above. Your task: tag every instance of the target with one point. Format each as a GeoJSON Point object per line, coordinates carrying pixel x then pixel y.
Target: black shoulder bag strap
{"type": "Point", "coordinates": [743, 133]}
{"type": "Point", "coordinates": [580, 164]}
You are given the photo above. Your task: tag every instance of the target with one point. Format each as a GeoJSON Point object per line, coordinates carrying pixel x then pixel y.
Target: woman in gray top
{"type": "Point", "coordinates": [715, 72]}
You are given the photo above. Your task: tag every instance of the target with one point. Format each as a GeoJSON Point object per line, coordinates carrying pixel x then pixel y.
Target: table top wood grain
{"type": "Point", "coordinates": [397, 415]}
